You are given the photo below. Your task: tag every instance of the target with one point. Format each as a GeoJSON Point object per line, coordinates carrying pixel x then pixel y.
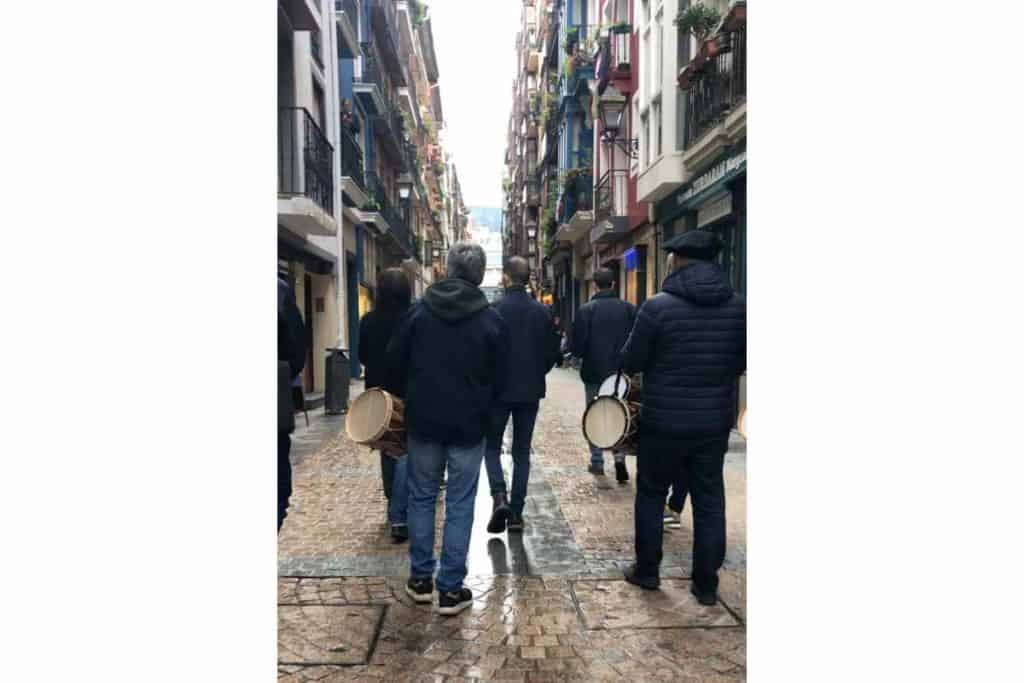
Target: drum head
{"type": "Point", "coordinates": [368, 416]}
{"type": "Point", "coordinates": [608, 387]}
{"type": "Point", "coordinates": [605, 422]}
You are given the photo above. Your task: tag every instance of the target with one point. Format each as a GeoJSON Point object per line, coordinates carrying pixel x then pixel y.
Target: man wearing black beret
{"type": "Point", "coordinates": [689, 340]}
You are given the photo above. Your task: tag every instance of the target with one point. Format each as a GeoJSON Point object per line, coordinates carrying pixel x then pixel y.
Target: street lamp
{"type": "Point", "coordinates": [404, 186]}
{"type": "Point", "coordinates": [612, 106]}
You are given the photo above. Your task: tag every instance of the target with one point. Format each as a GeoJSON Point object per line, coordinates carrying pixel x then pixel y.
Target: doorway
{"type": "Point", "coordinates": [307, 372]}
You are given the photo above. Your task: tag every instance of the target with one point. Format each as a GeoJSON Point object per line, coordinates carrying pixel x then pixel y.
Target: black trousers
{"type": "Point", "coordinates": [284, 476]}
{"type": "Point", "coordinates": [664, 461]}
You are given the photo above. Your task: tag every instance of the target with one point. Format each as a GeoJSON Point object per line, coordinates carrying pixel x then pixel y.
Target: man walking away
{"type": "Point", "coordinates": [394, 296]}
{"type": "Point", "coordinates": [533, 349]}
{"type": "Point", "coordinates": [601, 328]}
{"type": "Point", "coordinates": [291, 358]}
{"type": "Point", "coordinates": [690, 342]}
{"type": "Point", "coordinates": [451, 348]}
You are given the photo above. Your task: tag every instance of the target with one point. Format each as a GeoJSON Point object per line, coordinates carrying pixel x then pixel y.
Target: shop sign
{"type": "Point", "coordinates": [727, 167]}
{"type": "Point", "coordinates": [714, 209]}
{"type": "Point", "coordinates": [629, 259]}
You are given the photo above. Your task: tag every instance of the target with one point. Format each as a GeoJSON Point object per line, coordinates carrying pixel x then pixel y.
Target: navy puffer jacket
{"type": "Point", "coordinates": [690, 341]}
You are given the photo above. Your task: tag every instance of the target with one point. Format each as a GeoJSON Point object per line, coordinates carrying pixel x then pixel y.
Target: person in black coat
{"type": "Point", "coordinates": [394, 296]}
{"type": "Point", "coordinates": [690, 342]}
{"type": "Point", "coordinates": [451, 348]}
{"type": "Point", "coordinates": [601, 328]}
{"type": "Point", "coordinates": [291, 358]}
{"type": "Point", "coordinates": [533, 349]}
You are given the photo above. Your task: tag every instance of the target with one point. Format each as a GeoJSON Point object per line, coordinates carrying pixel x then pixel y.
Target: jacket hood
{"type": "Point", "coordinates": [605, 294]}
{"type": "Point", "coordinates": [701, 283]}
{"type": "Point", "coordinates": [453, 299]}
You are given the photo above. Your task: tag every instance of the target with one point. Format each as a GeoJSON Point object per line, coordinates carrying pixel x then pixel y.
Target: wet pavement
{"type": "Point", "coordinates": [550, 603]}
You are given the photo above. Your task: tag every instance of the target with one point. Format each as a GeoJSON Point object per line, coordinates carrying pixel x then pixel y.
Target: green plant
{"type": "Point", "coordinates": [419, 12]}
{"type": "Point", "coordinates": [621, 27]}
{"type": "Point", "coordinates": [699, 20]}
{"type": "Point", "coordinates": [370, 206]}
{"type": "Point", "coordinates": [572, 35]}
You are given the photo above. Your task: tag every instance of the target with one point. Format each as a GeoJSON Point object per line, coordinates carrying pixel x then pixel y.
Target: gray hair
{"type": "Point", "coordinates": [467, 261]}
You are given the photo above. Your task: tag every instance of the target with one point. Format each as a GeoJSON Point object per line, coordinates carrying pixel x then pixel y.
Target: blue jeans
{"type": "Point", "coordinates": [394, 474]}
{"type": "Point", "coordinates": [596, 454]}
{"type": "Point", "coordinates": [427, 462]}
{"type": "Point", "coordinates": [524, 417]}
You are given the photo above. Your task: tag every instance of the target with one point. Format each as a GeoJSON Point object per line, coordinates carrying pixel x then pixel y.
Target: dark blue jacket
{"type": "Point", "coordinates": [690, 341]}
{"type": "Point", "coordinates": [601, 328]}
{"type": "Point", "coordinates": [451, 349]}
{"type": "Point", "coordinates": [375, 330]}
{"type": "Point", "coordinates": [291, 353]}
{"type": "Point", "coordinates": [532, 346]}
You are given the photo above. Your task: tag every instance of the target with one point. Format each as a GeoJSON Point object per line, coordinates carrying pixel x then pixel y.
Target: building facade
{"type": "Point", "coordinates": [308, 156]}
{"type": "Point", "coordinates": [625, 130]}
{"type": "Point", "coordinates": [399, 207]}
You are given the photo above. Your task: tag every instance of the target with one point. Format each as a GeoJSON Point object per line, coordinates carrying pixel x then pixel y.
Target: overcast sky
{"type": "Point", "coordinates": [475, 45]}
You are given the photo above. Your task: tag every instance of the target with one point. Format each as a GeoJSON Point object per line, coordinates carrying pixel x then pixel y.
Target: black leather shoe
{"type": "Point", "coordinates": [621, 473]}
{"type": "Point", "coordinates": [400, 532]}
{"type": "Point", "coordinates": [651, 583]}
{"type": "Point", "coordinates": [515, 523]}
{"type": "Point", "coordinates": [500, 515]}
{"type": "Point", "coordinates": [706, 599]}
{"type": "Point", "coordinates": [596, 469]}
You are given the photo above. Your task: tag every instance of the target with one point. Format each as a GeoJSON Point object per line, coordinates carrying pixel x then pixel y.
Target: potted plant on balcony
{"type": "Point", "coordinates": [620, 28]}
{"type": "Point", "coordinates": [572, 36]}
{"type": "Point", "coordinates": [699, 20]}
{"type": "Point", "coordinates": [371, 206]}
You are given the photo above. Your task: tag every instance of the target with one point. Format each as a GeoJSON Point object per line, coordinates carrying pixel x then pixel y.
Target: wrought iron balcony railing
{"type": "Point", "coordinates": [612, 195]}
{"type": "Point", "coordinates": [352, 159]}
{"type": "Point", "coordinates": [577, 196]}
{"type": "Point", "coordinates": [304, 158]}
{"type": "Point", "coordinates": [720, 86]}
{"type": "Point", "coordinates": [393, 216]}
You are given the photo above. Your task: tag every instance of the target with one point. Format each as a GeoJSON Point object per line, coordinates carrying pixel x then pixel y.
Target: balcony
{"type": "Point", "coordinates": [611, 220]}
{"type": "Point", "coordinates": [575, 209]}
{"type": "Point", "coordinates": [386, 218]}
{"type": "Point", "coordinates": [305, 177]}
{"type": "Point", "coordinates": [615, 59]}
{"type": "Point", "coordinates": [389, 127]}
{"type": "Point", "coordinates": [304, 15]}
{"type": "Point", "coordinates": [316, 48]}
{"type": "Point", "coordinates": [368, 84]}
{"type": "Point", "coordinates": [353, 182]}
{"type": "Point", "coordinates": [532, 194]}
{"type": "Point", "coordinates": [582, 46]}
{"type": "Point", "coordinates": [346, 19]}
{"type": "Point", "coordinates": [384, 20]}
{"type": "Point", "coordinates": [715, 99]}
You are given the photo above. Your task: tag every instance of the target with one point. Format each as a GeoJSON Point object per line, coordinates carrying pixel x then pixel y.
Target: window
{"type": "Point", "coordinates": [659, 52]}
{"type": "Point", "coordinates": [318, 104]}
{"type": "Point", "coordinates": [645, 151]}
{"type": "Point", "coordinates": [656, 122]}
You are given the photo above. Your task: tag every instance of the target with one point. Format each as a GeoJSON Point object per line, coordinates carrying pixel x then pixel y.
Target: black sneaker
{"type": "Point", "coordinates": [515, 523]}
{"type": "Point", "coordinates": [596, 469]}
{"type": "Point", "coordinates": [420, 590]}
{"type": "Point", "coordinates": [706, 599]}
{"type": "Point", "coordinates": [621, 473]}
{"type": "Point", "coordinates": [453, 603]}
{"type": "Point", "coordinates": [400, 532]}
{"type": "Point", "coordinates": [651, 583]}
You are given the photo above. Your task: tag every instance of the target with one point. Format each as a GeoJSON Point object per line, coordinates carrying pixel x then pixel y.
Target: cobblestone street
{"type": "Point", "coordinates": [550, 604]}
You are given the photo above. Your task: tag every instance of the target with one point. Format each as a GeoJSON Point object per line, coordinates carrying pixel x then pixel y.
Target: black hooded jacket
{"type": "Point", "coordinates": [690, 341]}
{"type": "Point", "coordinates": [451, 349]}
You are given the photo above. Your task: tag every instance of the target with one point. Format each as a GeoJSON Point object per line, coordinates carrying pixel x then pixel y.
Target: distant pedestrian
{"type": "Point", "coordinates": [532, 352]}
{"type": "Point", "coordinates": [394, 296]}
{"type": "Point", "coordinates": [291, 358]}
{"type": "Point", "coordinates": [690, 342]}
{"type": "Point", "coordinates": [599, 331]}
{"type": "Point", "coordinates": [452, 348]}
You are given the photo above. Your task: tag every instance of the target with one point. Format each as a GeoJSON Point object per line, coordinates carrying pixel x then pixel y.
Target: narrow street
{"type": "Point", "coordinates": [550, 604]}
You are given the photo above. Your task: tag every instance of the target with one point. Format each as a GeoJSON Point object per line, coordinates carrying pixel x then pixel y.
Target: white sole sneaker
{"type": "Point", "coordinates": [421, 598]}
{"type": "Point", "coordinates": [454, 609]}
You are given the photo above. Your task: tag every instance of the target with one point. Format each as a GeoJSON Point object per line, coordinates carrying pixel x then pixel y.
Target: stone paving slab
{"type": "Point", "coordinates": [610, 605]}
{"type": "Point", "coordinates": [326, 634]}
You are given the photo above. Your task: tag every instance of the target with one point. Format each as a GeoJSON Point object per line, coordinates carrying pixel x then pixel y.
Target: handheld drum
{"type": "Point", "coordinates": [610, 423]}
{"type": "Point", "coordinates": [377, 419]}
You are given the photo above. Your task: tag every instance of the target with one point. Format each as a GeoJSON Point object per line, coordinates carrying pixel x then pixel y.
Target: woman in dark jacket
{"type": "Point", "coordinates": [394, 296]}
